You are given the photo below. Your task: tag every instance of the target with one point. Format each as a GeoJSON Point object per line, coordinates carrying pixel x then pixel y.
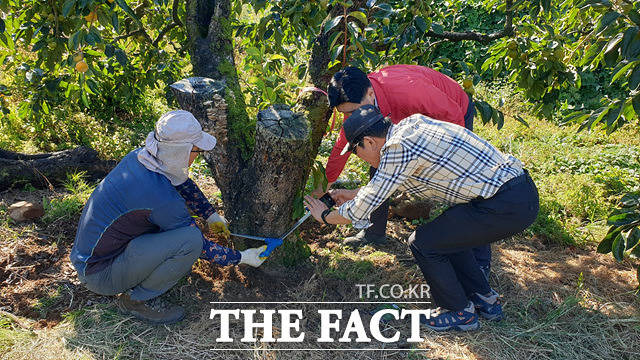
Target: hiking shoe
{"type": "Point", "coordinates": [363, 238]}
{"type": "Point", "coordinates": [489, 307]}
{"type": "Point", "coordinates": [155, 310]}
{"type": "Point", "coordinates": [442, 320]}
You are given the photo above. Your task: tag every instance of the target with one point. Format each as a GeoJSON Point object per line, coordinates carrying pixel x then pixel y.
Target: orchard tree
{"type": "Point", "coordinates": [246, 56]}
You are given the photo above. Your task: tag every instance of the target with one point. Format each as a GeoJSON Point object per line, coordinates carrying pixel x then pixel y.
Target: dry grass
{"type": "Point", "coordinates": [553, 312]}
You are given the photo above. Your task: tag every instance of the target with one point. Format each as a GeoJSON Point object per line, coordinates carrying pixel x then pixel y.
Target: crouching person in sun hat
{"type": "Point", "coordinates": [492, 197]}
{"type": "Point", "coordinates": [136, 237]}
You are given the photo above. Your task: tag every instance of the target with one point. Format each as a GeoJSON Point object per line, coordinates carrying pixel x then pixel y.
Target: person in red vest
{"type": "Point", "coordinates": [398, 91]}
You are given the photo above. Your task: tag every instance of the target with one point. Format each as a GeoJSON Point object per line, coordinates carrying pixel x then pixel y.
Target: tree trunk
{"type": "Point", "coordinates": [45, 170]}
{"type": "Point", "coordinates": [260, 165]}
{"type": "Point", "coordinates": [258, 194]}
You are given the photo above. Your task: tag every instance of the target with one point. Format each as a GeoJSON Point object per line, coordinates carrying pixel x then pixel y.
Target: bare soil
{"type": "Point", "coordinates": [37, 280]}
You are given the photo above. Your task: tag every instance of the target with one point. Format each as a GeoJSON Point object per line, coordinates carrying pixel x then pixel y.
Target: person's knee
{"type": "Point", "coordinates": [192, 241]}
{"type": "Point", "coordinates": [415, 244]}
{"type": "Point", "coordinates": [419, 244]}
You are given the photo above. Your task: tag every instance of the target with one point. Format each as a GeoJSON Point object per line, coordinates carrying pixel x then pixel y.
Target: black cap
{"type": "Point", "coordinates": [359, 121]}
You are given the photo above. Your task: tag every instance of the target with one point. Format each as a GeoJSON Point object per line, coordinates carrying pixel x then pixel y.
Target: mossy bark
{"type": "Point", "coordinates": [261, 164]}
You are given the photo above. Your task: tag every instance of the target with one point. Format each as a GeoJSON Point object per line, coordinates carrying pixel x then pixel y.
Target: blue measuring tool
{"type": "Point", "coordinates": [273, 243]}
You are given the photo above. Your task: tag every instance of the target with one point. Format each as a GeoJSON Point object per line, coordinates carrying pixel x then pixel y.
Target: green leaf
{"type": "Point", "coordinates": [611, 56]}
{"type": "Point", "coordinates": [634, 79]}
{"type": "Point", "coordinates": [627, 37]}
{"type": "Point", "coordinates": [613, 43]}
{"type": "Point", "coordinates": [67, 6]}
{"type": "Point", "coordinates": [84, 98]}
{"type": "Point", "coordinates": [93, 86]}
{"type": "Point", "coordinates": [636, 104]}
{"type": "Point", "coordinates": [634, 16]}
{"type": "Point", "coordinates": [331, 24]}
{"type": "Point", "coordinates": [115, 22]}
{"type": "Point", "coordinates": [2, 26]}
{"type": "Point", "coordinates": [623, 219]}
{"type": "Point", "coordinates": [630, 200]}
{"type": "Point", "coordinates": [621, 72]}
{"type": "Point", "coordinates": [73, 40]}
{"type": "Point", "coordinates": [485, 111]}
{"type": "Point", "coordinates": [277, 57]}
{"type": "Point", "coordinates": [437, 28]}
{"type": "Point", "coordinates": [522, 121]}
{"type": "Point", "coordinates": [121, 57]}
{"type": "Point", "coordinates": [607, 242]}
{"type": "Point", "coordinates": [337, 51]}
{"type": "Point", "coordinates": [607, 19]}
{"type": "Point", "coordinates": [498, 118]}
{"type": "Point", "coordinates": [39, 45]}
{"type": "Point", "coordinates": [632, 238]}
{"type": "Point", "coordinates": [109, 50]}
{"type": "Point", "coordinates": [617, 248]}
{"type": "Point", "coordinates": [360, 16]}
{"type": "Point", "coordinates": [125, 7]}
{"type": "Point", "coordinates": [421, 24]}
{"type": "Point", "coordinates": [45, 107]}
{"type": "Point", "coordinates": [614, 113]}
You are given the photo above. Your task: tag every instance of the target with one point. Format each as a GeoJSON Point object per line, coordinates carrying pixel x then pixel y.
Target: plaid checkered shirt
{"type": "Point", "coordinates": [435, 160]}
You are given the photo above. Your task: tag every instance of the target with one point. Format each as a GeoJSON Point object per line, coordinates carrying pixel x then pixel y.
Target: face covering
{"type": "Point", "coordinates": [170, 159]}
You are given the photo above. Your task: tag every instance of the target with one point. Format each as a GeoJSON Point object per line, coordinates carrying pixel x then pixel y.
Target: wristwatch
{"type": "Point", "coordinates": [324, 216]}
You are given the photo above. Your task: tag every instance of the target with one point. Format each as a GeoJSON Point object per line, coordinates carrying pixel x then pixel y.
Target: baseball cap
{"type": "Point", "coordinates": [356, 124]}
{"type": "Point", "coordinates": [180, 126]}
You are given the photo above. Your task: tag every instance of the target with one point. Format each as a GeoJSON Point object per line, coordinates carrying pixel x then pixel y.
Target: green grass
{"type": "Point", "coordinates": [350, 265]}
{"type": "Point", "coordinates": [43, 305]}
{"type": "Point", "coordinates": [64, 207]}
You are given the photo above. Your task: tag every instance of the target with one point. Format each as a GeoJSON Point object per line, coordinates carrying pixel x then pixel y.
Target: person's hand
{"type": "Point", "coordinates": [252, 257]}
{"type": "Point", "coordinates": [315, 206]}
{"type": "Point", "coordinates": [341, 196]}
{"type": "Point", "coordinates": [319, 191]}
{"type": "Point", "coordinates": [219, 225]}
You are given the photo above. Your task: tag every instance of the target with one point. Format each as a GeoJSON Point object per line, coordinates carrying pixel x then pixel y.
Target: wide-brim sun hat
{"type": "Point", "coordinates": [180, 126]}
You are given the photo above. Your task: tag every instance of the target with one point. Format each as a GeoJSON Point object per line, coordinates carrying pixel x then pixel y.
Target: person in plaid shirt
{"type": "Point", "coordinates": [491, 197]}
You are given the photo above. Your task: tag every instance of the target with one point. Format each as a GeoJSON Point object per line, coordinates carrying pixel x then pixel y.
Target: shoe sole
{"type": "Point", "coordinates": [468, 327]}
{"type": "Point", "coordinates": [491, 317]}
{"type": "Point", "coordinates": [125, 311]}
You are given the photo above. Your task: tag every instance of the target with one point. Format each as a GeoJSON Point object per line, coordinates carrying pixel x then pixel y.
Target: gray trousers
{"type": "Point", "coordinates": [150, 265]}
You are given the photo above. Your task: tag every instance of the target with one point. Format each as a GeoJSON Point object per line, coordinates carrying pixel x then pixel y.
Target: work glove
{"type": "Point", "coordinates": [218, 225]}
{"type": "Point", "coordinates": [252, 256]}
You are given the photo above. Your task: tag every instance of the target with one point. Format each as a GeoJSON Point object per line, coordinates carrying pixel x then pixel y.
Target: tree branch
{"type": "Point", "coordinates": [474, 36]}
{"type": "Point", "coordinates": [133, 33]}
{"type": "Point", "coordinates": [176, 22]}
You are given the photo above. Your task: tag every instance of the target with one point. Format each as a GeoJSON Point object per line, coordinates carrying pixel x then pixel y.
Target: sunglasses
{"type": "Point", "coordinates": [356, 145]}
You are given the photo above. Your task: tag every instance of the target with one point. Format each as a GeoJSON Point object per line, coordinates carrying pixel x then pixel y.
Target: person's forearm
{"type": "Point", "coordinates": [195, 200]}
{"type": "Point", "coordinates": [219, 254]}
{"type": "Point", "coordinates": [335, 218]}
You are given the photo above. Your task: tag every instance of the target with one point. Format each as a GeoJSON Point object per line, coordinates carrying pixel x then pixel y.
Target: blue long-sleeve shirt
{"type": "Point", "coordinates": [130, 201]}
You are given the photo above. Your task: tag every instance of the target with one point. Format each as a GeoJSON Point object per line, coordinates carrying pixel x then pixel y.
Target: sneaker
{"type": "Point", "coordinates": [442, 320]}
{"type": "Point", "coordinates": [155, 311]}
{"type": "Point", "coordinates": [363, 238]}
{"type": "Point", "coordinates": [489, 307]}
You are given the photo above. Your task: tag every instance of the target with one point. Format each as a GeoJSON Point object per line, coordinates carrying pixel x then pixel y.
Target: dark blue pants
{"type": "Point", "coordinates": [481, 253]}
{"type": "Point", "coordinates": [379, 216]}
{"type": "Point", "coordinates": [443, 247]}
